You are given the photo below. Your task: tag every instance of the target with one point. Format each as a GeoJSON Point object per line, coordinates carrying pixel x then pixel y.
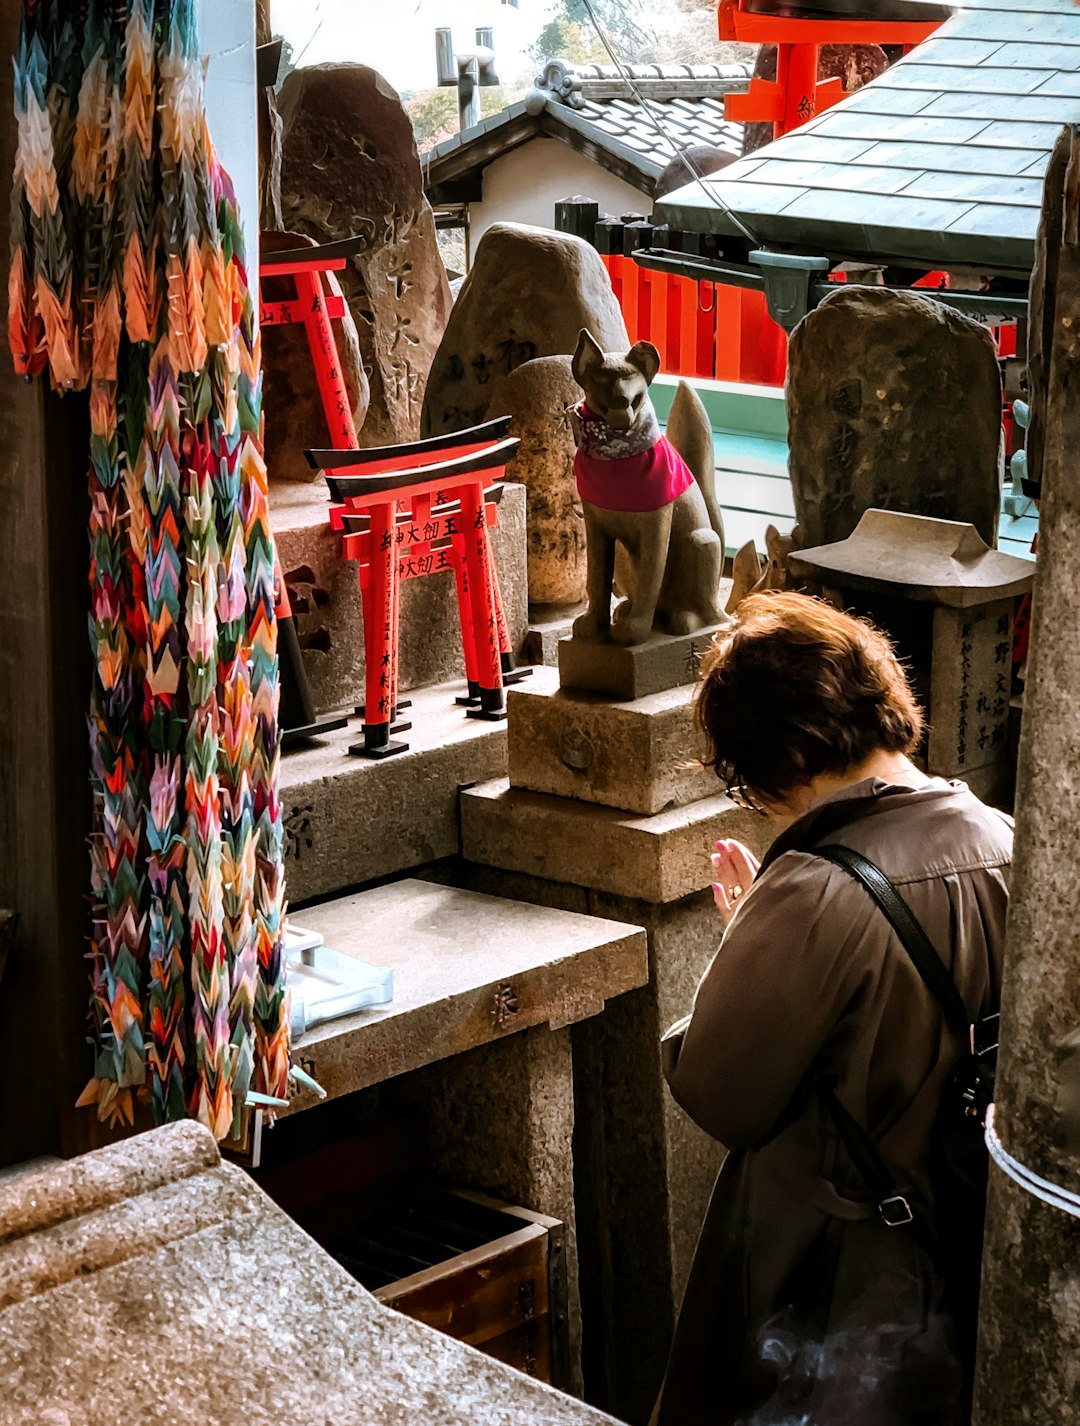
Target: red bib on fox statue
{"type": "Point", "coordinates": [633, 470]}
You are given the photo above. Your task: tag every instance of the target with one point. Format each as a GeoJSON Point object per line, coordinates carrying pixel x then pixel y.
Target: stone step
{"type": "Point", "coordinates": [325, 597]}
{"type": "Point", "coordinates": [350, 820]}
{"type": "Point", "coordinates": [656, 859]}
{"type": "Point", "coordinates": [469, 970]}
{"type": "Point", "coordinates": [639, 756]}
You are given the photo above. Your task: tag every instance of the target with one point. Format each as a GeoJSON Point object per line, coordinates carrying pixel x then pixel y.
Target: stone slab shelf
{"type": "Point", "coordinates": [154, 1251]}
{"type": "Point", "coordinates": [469, 970]}
{"type": "Point", "coordinates": [656, 859]}
{"type": "Point", "coordinates": [349, 820]}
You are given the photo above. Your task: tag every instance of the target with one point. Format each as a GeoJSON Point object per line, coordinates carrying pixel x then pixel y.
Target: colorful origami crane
{"type": "Point", "coordinates": [128, 281]}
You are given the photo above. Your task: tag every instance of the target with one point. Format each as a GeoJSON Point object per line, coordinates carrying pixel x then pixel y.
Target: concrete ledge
{"type": "Point", "coordinates": [655, 859]}
{"type": "Point", "coordinates": [468, 970]}
{"type": "Point", "coordinates": [641, 756]}
{"type": "Point", "coordinates": [165, 1264]}
{"type": "Point", "coordinates": [349, 820]}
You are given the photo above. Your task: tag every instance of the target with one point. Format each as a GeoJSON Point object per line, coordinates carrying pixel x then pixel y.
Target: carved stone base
{"type": "Point", "coordinates": [664, 661]}
{"type": "Point", "coordinates": [641, 756]}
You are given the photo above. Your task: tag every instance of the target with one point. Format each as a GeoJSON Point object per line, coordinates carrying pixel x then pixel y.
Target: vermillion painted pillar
{"type": "Point", "coordinates": [1029, 1366]}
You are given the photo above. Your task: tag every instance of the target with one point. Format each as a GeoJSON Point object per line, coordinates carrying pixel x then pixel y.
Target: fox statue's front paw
{"type": "Point", "coordinates": [631, 630]}
{"type": "Point", "coordinates": [589, 626]}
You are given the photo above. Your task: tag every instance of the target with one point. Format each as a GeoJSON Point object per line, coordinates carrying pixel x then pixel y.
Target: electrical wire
{"type": "Point", "coordinates": [698, 176]}
{"type": "Point", "coordinates": [312, 36]}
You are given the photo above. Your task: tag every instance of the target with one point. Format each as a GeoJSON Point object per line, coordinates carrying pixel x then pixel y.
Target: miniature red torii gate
{"type": "Point", "coordinates": [411, 510]}
{"type": "Point", "coordinates": [317, 302]}
{"type": "Point", "coordinates": [796, 95]}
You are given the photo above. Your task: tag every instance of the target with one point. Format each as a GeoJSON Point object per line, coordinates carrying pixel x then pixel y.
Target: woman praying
{"type": "Point", "coordinates": [805, 1306]}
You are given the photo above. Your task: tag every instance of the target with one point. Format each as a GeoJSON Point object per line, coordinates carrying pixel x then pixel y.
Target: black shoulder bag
{"type": "Point", "coordinates": [958, 1159]}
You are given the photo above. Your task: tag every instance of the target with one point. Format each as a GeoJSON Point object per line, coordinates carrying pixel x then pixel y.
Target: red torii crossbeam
{"type": "Point", "coordinates": [411, 510]}
{"type": "Point", "coordinates": [796, 95]}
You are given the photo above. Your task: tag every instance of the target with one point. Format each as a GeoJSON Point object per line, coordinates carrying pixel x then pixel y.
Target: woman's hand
{"type": "Point", "coordinates": [735, 868]}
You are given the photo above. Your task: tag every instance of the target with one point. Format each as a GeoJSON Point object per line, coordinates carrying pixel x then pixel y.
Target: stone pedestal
{"type": "Point", "coordinates": [548, 624]}
{"type": "Point", "coordinates": [325, 597]}
{"type": "Point", "coordinates": [627, 672]}
{"type": "Point", "coordinates": [641, 756]}
{"type": "Point", "coordinates": [644, 1171]}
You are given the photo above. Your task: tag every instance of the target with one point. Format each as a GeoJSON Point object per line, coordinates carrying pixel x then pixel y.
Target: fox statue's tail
{"type": "Point", "coordinates": [689, 431]}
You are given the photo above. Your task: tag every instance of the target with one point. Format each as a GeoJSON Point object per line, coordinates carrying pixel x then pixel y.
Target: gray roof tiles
{"type": "Point", "coordinates": [940, 160]}
{"type": "Point", "coordinates": [679, 106]}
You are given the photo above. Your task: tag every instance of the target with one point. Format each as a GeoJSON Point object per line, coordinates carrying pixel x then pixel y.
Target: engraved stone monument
{"type": "Point", "coordinates": [894, 403]}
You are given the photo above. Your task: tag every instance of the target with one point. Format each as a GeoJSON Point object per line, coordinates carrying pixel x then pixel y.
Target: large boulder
{"type": "Point", "coordinates": [350, 167]}
{"type": "Point", "coordinates": [894, 403]}
{"type": "Point", "coordinates": [537, 397]}
{"type": "Point", "coordinates": [295, 419]}
{"type": "Point", "coordinates": [529, 293]}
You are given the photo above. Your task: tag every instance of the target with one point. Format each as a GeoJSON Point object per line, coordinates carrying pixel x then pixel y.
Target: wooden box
{"type": "Point", "coordinates": [481, 1271]}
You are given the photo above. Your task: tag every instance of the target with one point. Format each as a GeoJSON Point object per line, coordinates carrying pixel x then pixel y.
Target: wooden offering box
{"type": "Point", "coordinates": [482, 1272]}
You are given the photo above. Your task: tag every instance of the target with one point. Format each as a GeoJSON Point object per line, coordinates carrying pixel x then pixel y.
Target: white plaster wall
{"type": "Point", "coordinates": [524, 185]}
{"type": "Point", "coordinates": [227, 38]}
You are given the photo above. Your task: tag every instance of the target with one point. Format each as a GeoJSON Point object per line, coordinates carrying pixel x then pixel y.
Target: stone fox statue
{"type": "Point", "coordinates": [652, 495]}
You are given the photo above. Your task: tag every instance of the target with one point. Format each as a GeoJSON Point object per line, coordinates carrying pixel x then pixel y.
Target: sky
{"type": "Point", "coordinates": [397, 37]}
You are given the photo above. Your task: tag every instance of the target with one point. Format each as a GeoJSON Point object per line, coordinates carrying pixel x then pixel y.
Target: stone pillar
{"type": "Point", "coordinates": [1029, 1365]}
{"type": "Point", "coordinates": [500, 1119]}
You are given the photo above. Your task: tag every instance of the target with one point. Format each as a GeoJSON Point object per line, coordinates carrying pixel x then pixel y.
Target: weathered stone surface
{"type": "Point", "coordinates": [641, 756]}
{"type": "Point", "coordinates": [1030, 1307]}
{"type": "Point", "coordinates": [659, 858]}
{"type": "Point", "coordinates": [500, 1118]}
{"type": "Point", "coordinates": [350, 167]}
{"type": "Point", "coordinates": [537, 397]}
{"type": "Point", "coordinates": [528, 294]}
{"type": "Point", "coordinates": [295, 421]}
{"type": "Point", "coordinates": [628, 671]}
{"type": "Point", "coordinates": [349, 820]}
{"type": "Point", "coordinates": [325, 596]}
{"type": "Point", "coordinates": [165, 1266]}
{"type": "Point", "coordinates": [894, 402]}
{"type": "Point", "coordinates": [469, 970]}
{"type": "Point", "coordinates": [970, 689]}
{"type": "Point", "coordinates": [548, 624]}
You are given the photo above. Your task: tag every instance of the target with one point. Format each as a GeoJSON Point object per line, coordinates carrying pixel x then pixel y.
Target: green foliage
{"type": "Point", "coordinates": [434, 112]}
{"type": "Point", "coordinates": [563, 38]}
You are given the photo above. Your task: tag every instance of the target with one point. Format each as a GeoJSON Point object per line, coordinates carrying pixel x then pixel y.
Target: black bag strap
{"type": "Point", "coordinates": [893, 1203]}
{"type": "Point", "coordinates": [913, 938]}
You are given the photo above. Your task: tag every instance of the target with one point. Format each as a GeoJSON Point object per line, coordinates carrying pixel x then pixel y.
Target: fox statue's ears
{"type": "Point", "coordinates": [587, 356]}
{"type": "Point", "coordinates": [646, 358]}
{"type": "Point", "coordinates": [643, 356]}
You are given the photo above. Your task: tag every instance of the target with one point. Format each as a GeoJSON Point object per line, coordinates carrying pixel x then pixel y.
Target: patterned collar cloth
{"type": "Point", "coordinates": [634, 470]}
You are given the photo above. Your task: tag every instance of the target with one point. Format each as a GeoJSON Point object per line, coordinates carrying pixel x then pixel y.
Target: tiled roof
{"type": "Point", "coordinates": [940, 161]}
{"type": "Point", "coordinates": [638, 125]}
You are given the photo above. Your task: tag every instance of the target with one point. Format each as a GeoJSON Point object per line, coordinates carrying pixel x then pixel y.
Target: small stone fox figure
{"type": "Point", "coordinates": [652, 495]}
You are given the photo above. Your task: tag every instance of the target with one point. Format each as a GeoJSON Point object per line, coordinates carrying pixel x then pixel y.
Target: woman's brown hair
{"type": "Point", "coordinates": [794, 688]}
